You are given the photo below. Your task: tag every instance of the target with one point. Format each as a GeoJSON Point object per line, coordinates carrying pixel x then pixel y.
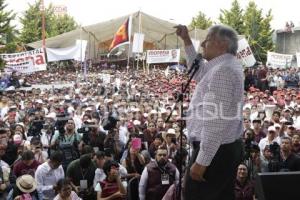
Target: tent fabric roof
{"type": "Point", "coordinates": [157, 31]}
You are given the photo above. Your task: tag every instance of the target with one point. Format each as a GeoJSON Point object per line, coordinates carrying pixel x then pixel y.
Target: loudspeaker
{"type": "Point", "coordinates": [278, 186]}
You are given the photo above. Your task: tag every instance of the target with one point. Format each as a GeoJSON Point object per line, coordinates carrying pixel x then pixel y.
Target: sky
{"type": "Point", "coordinates": [87, 12]}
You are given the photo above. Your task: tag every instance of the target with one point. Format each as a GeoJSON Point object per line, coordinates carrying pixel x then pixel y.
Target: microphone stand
{"type": "Point", "coordinates": [194, 68]}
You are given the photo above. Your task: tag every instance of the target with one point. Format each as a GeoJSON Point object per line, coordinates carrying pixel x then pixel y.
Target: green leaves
{"type": "Point", "coordinates": [54, 25]}
{"type": "Point", "coordinates": [233, 17]}
{"type": "Point", "coordinates": [7, 31]}
{"type": "Point", "coordinates": [201, 21]}
{"type": "Point", "coordinates": [251, 23]}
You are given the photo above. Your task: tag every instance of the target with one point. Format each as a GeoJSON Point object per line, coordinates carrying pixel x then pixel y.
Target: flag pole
{"type": "Point", "coordinates": [43, 23]}
{"type": "Point", "coordinates": [140, 28]}
{"type": "Point", "coordinates": [129, 38]}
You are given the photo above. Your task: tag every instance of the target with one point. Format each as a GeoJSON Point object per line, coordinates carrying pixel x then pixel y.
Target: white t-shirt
{"type": "Point", "coordinates": [73, 196]}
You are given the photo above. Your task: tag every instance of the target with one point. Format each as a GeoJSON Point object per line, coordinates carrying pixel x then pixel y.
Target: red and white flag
{"type": "Point", "coordinates": [122, 36]}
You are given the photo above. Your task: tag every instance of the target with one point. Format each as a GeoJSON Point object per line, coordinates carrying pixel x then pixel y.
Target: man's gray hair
{"type": "Point", "coordinates": [228, 34]}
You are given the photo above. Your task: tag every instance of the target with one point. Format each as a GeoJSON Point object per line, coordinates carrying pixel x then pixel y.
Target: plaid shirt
{"type": "Point", "coordinates": [215, 114]}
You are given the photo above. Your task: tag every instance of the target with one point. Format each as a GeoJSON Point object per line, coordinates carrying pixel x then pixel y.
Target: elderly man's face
{"type": "Point", "coordinates": [213, 47]}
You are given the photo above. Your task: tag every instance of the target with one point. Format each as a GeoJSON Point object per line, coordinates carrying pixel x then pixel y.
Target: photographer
{"type": "Point", "coordinates": [36, 124]}
{"type": "Point", "coordinates": [269, 139]}
{"type": "Point", "coordinates": [67, 141]}
{"type": "Point", "coordinates": [91, 135]}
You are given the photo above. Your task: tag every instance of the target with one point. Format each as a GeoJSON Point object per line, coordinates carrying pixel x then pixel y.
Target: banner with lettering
{"type": "Point", "coordinates": [298, 58]}
{"type": "Point", "coordinates": [245, 54]}
{"type": "Point", "coordinates": [277, 60]}
{"type": "Point", "coordinates": [163, 56]}
{"type": "Point", "coordinates": [25, 62]}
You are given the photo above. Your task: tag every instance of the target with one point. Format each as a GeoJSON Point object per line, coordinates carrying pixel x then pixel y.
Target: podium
{"type": "Point", "coordinates": [278, 186]}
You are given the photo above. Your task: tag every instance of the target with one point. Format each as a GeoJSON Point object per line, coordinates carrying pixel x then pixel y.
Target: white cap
{"type": "Point", "coordinates": [153, 112]}
{"type": "Point", "coordinates": [271, 128]}
{"type": "Point", "coordinates": [163, 110]}
{"type": "Point", "coordinates": [39, 101]}
{"type": "Point", "coordinates": [175, 113]}
{"type": "Point", "coordinates": [67, 97]}
{"type": "Point", "coordinates": [171, 131]}
{"type": "Point", "coordinates": [277, 126]}
{"type": "Point", "coordinates": [51, 115]}
{"type": "Point", "coordinates": [136, 122]}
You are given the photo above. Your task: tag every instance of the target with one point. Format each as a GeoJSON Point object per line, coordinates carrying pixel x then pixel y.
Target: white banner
{"type": "Point", "coordinates": [277, 60]}
{"type": "Point", "coordinates": [298, 58]}
{"type": "Point", "coordinates": [196, 44]}
{"type": "Point", "coordinates": [245, 54]}
{"type": "Point", "coordinates": [163, 56]}
{"type": "Point", "coordinates": [25, 62]}
{"type": "Point", "coordinates": [138, 43]}
{"type": "Point", "coordinates": [76, 52]}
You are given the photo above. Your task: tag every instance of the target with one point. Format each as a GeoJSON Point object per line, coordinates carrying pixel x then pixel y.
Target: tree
{"type": "Point", "coordinates": [233, 17]}
{"type": "Point", "coordinates": [258, 31]}
{"type": "Point", "coordinates": [201, 21]}
{"type": "Point", "coordinates": [65, 23]}
{"type": "Point", "coordinates": [265, 37]}
{"type": "Point", "coordinates": [7, 31]}
{"type": "Point", "coordinates": [32, 23]}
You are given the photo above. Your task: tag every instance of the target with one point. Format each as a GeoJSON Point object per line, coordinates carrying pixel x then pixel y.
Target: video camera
{"type": "Point", "coordinates": [250, 146]}
{"type": "Point", "coordinates": [35, 127]}
{"type": "Point", "coordinates": [85, 130]}
{"type": "Point", "coordinates": [110, 122]}
{"type": "Point", "coordinates": [61, 122]}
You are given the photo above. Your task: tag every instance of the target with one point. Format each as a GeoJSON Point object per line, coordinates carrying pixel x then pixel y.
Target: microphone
{"type": "Point", "coordinates": [196, 63]}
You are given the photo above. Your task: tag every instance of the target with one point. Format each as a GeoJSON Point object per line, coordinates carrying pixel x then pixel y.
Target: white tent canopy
{"type": "Point", "coordinates": [160, 33]}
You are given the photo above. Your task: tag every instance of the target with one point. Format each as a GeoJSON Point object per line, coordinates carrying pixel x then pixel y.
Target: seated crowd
{"type": "Point", "coordinates": [104, 140]}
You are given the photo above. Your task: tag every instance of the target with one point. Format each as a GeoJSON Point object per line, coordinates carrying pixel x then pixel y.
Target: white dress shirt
{"type": "Point", "coordinates": [265, 141]}
{"type": "Point", "coordinates": [215, 114]}
{"type": "Point", "coordinates": [99, 176]}
{"type": "Point", "coordinates": [46, 178]}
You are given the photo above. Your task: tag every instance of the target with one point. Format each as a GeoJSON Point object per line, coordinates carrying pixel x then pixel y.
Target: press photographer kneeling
{"type": "Point", "coordinates": [283, 159]}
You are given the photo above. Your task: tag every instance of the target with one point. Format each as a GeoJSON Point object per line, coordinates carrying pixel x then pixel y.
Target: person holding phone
{"type": "Point", "coordinates": [134, 161]}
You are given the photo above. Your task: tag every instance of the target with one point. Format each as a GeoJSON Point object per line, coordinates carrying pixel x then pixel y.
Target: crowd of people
{"type": "Point", "coordinates": [100, 140]}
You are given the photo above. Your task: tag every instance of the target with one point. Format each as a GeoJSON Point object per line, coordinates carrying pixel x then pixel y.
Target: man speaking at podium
{"type": "Point", "coordinates": [214, 118]}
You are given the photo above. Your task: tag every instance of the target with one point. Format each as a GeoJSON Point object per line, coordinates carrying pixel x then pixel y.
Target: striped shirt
{"type": "Point", "coordinates": [215, 114]}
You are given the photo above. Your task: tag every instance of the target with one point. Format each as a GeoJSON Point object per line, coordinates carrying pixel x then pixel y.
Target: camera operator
{"type": "Point", "coordinates": [36, 122]}
{"type": "Point", "coordinates": [289, 161]}
{"type": "Point", "coordinates": [269, 139]}
{"type": "Point", "coordinates": [67, 141]}
{"type": "Point", "coordinates": [91, 135]}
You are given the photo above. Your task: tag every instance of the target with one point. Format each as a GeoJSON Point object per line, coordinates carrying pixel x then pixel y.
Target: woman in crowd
{"type": "Point", "coordinates": [134, 161]}
{"type": "Point", "coordinates": [25, 188]}
{"type": "Point", "coordinates": [150, 133]}
{"type": "Point", "coordinates": [111, 188]}
{"type": "Point", "coordinates": [244, 188]}
{"type": "Point", "coordinates": [64, 190]}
